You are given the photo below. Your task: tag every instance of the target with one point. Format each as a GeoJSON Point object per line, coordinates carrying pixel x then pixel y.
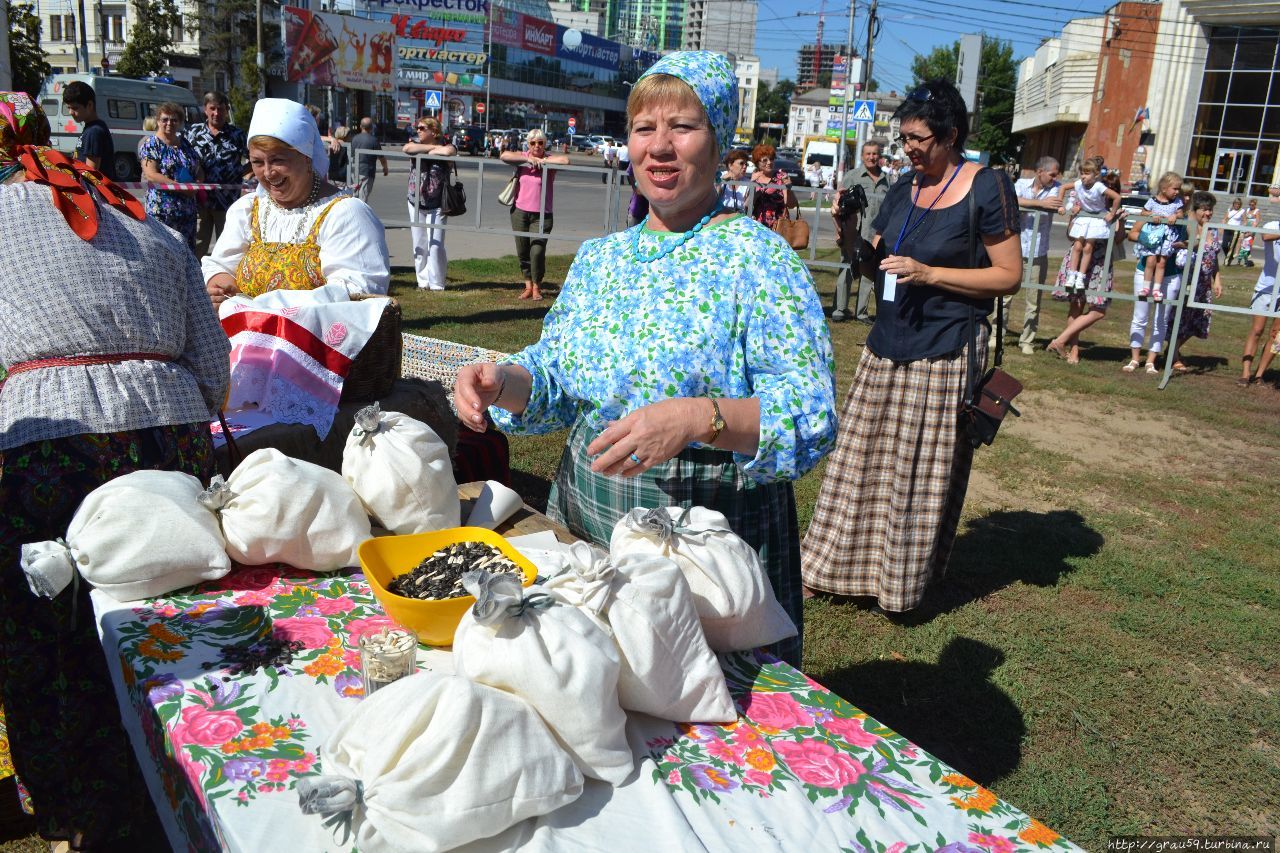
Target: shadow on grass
{"type": "Point", "coordinates": [950, 708]}
{"type": "Point", "coordinates": [1004, 547]}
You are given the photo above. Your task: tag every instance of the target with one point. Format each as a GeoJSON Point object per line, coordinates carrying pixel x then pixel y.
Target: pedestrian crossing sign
{"type": "Point", "coordinates": [864, 110]}
{"type": "Point", "coordinates": [431, 100]}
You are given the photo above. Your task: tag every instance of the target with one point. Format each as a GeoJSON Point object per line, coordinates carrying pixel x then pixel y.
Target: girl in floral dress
{"type": "Point", "coordinates": [1195, 321]}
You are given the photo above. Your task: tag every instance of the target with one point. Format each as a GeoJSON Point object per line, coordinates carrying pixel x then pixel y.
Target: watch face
{"type": "Point", "coordinates": [718, 423]}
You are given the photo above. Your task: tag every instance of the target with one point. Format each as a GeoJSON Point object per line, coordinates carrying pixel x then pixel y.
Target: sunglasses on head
{"type": "Point", "coordinates": [920, 93]}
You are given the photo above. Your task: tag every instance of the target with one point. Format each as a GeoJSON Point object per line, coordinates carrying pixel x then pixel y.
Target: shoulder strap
{"type": "Point", "coordinates": [315, 229]}
{"type": "Point", "coordinates": [253, 221]}
{"type": "Point", "coordinates": [973, 264]}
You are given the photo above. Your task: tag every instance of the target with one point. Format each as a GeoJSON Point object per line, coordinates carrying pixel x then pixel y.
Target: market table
{"type": "Point", "coordinates": [801, 769]}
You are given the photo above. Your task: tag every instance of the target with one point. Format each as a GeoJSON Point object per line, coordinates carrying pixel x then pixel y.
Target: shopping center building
{"type": "Point", "coordinates": [1190, 86]}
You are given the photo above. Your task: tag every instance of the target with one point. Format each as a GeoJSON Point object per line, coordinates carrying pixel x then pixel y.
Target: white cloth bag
{"type": "Point", "coordinates": [441, 762]}
{"type": "Point", "coordinates": [137, 536]}
{"type": "Point", "coordinates": [667, 669]}
{"type": "Point", "coordinates": [731, 589]}
{"type": "Point", "coordinates": [401, 471]}
{"type": "Point", "coordinates": [555, 658]}
{"type": "Point", "coordinates": [275, 508]}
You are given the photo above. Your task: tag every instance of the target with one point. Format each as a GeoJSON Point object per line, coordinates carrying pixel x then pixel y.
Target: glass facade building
{"type": "Point", "coordinates": [1235, 146]}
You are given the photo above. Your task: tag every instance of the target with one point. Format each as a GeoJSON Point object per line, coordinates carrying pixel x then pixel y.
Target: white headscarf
{"type": "Point", "coordinates": [293, 124]}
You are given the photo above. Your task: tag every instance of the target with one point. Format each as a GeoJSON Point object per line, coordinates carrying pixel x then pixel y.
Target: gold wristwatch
{"type": "Point", "coordinates": [717, 421]}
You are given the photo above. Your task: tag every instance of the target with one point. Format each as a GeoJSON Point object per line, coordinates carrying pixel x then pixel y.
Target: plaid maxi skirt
{"type": "Point", "coordinates": [764, 515]}
{"type": "Point", "coordinates": [894, 487]}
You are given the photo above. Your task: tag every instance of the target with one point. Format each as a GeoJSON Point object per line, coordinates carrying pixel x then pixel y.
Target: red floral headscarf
{"type": "Point", "coordinates": [24, 141]}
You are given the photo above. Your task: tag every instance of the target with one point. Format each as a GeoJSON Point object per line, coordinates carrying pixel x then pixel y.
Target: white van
{"type": "Point", "coordinates": [122, 103]}
{"type": "Point", "coordinates": [825, 151]}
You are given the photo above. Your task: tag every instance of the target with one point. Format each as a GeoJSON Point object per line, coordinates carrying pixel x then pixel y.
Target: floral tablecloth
{"type": "Point", "coordinates": [801, 769]}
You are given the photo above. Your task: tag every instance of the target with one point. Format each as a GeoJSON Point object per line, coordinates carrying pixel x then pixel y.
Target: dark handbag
{"type": "Point", "coordinates": [989, 399]}
{"type": "Point", "coordinates": [453, 200]}
{"type": "Point", "coordinates": [794, 231]}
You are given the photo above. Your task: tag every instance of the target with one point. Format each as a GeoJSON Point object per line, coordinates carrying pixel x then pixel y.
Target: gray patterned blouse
{"type": "Point", "coordinates": [135, 287]}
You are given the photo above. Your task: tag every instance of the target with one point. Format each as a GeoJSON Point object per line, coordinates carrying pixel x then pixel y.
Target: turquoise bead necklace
{"type": "Point", "coordinates": [669, 246]}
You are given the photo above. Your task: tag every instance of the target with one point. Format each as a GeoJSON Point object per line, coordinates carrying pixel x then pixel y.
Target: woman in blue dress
{"type": "Point", "coordinates": [168, 157]}
{"type": "Point", "coordinates": [688, 356]}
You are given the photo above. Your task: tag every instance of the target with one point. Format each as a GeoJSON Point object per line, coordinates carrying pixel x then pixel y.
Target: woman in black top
{"type": "Point", "coordinates": [894, 487]}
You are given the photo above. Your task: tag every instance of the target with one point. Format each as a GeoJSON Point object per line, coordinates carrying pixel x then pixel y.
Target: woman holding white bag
{"type": "Point", "coordinates": [115, 360]}
{"type": "Point", "coordinates": [688, 355]}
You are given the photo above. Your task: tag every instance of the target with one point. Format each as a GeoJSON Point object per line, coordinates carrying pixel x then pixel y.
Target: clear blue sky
{"type": "Point", "coordinates": [909, 27]}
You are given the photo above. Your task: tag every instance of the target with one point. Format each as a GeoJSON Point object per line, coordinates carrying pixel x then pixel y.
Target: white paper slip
{"type": "Point", "coordinates": [890, 286]}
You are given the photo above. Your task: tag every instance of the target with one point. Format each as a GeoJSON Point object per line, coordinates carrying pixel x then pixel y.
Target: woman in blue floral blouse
{"type": "Point", "coordinates": [688, 355]}
{"type": "Point", "coordinates": [168, 157]}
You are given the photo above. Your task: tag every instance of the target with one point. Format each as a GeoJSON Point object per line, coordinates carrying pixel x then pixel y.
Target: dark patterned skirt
{"type": "Point", "coordinates": [894, 487]}
{"type": "Point", "coordinates": [65, 734]}
{"type": "Point", "coordinates": [764, 515]}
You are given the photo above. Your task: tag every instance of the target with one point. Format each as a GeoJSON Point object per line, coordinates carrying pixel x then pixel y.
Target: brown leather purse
{"type": "Point", "coordinates": [989, 399]}
{"type": "Point", "coordinates": [794, 231]}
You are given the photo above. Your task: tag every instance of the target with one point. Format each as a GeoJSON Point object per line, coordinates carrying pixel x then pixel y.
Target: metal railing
{"type": "Point", "coordinates": [815, 202]}
{"type": "Point", "coordinates": [1188, 278]}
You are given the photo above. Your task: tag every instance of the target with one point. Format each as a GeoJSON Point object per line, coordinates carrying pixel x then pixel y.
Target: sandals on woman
{"type": "Point", "coordinates": [1056, 348]}
{"type": "Point", "coordinates": [1130, 367]}
{"type": "Point", "coordinates": [1151, 368]}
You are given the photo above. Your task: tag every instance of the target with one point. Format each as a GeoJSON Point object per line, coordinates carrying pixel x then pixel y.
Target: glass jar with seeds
{"type": "Point", "coordinates": [387, 655]}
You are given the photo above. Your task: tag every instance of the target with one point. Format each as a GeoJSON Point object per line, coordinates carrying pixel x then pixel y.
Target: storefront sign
{"type": "Point", "coordinates": [411, 55]}
{"type": "Point", "coordinates": [409, 77]}
{"type": "Point", "coordinates": [591, 50]}
{"type": "Point", "coordinates": [338, 50]}
{"type": "Point", "coordinates": [424, 30]}
{"type": "Point", "coordinates": [538, 36]}
{"type": "Point", "coordinates": [506, 28]}
{"type": "Point", "coordinates": [473, 10]}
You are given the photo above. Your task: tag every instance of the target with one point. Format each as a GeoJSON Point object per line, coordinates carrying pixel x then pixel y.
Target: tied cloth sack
{"type": "Point", "coordinates": [643, 601]}
{"type": "Point", "coordinates": [432, 762]}
{"type": "Point", "coordinates": [731, 590]}
{"type": "Point", "coordinates": [137, 536]}
{"type": "Point", "coordinates": [277, 509]}
{"type": "Point", "coordinates": [401, 471]}
{"type": "Point", "coordinates": [555, 658]}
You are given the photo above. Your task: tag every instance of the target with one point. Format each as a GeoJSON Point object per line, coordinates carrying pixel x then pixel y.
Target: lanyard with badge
{"type": "Point", "coordinates": [891, 279]}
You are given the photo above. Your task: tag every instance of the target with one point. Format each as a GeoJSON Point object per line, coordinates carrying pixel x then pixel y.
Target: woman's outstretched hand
{"type": "Point", "coordinates": [477, 389]}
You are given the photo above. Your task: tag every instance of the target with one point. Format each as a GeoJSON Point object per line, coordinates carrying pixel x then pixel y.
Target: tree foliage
{"type": "Point", "coordinates": [26, 58]}
{"type": "Point", "coordinates": [773, 103]}
{"type": "Point", "coordinates": [997, 79]}
{"type": "Point", "coordinates": [228, 40]}
{"type": "Point", "coordinates": [150, 38]}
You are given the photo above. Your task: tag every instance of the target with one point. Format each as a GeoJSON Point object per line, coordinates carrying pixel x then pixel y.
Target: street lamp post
{"type": "Point", "coordinates": [262, 64]}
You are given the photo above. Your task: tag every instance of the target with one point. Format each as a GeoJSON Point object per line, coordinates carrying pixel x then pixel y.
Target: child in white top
{"type": "Point", "coordinates": [1090, 198]}
{"type": "Point", "coordinates": [1160, 238]}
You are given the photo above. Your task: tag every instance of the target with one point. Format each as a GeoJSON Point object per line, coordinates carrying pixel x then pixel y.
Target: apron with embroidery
{"type": "Point", "coordinates": [281, 266]}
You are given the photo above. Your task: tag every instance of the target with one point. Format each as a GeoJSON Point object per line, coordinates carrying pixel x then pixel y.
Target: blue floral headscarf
{"type": "Point", "coordinates": [712, 80]}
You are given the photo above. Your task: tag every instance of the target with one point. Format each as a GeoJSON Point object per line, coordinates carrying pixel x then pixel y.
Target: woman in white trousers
{"type": "Point", "coordinates": [425, 195]}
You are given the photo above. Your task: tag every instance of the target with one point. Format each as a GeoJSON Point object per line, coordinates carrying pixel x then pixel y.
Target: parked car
{"type": "Point", "coordinates": [582, 144]}
{"type": "Point", "coordinates": [1133, 204]}
{"type": "Point", "coordinates": [469, 139]}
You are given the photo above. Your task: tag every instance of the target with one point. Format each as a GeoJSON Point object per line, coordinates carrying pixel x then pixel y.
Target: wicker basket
{"type": "Point", "coordinates": [440, 360]}
{"type": "Point", "coordinates": [377, 367]}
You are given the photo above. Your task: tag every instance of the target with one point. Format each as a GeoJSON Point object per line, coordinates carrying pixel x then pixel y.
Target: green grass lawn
{"type": "Point", "coordinates": [1105, 650]}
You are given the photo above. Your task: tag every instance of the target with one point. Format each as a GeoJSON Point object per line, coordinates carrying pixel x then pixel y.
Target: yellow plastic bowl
{"type": "Point", "coordinates": [387, 557]}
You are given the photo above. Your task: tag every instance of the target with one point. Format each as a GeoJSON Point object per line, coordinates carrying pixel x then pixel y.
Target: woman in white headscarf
{"type": "Point", "coordinates": [296, 232]}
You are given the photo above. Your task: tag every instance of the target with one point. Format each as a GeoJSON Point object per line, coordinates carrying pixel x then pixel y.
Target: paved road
{"type": "Point", "coordinates": [580, 211]}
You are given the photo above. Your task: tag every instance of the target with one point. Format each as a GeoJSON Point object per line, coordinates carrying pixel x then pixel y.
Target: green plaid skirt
{"type": "Point", "coordinates": [764, 515]}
